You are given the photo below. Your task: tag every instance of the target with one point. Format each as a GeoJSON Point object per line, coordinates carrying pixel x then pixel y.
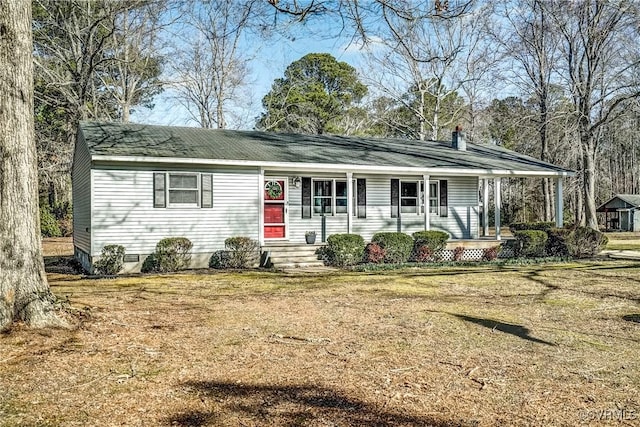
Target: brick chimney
{"type": "Point", "coordinates": [457, 140]}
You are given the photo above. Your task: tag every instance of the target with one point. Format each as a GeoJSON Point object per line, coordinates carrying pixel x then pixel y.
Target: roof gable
{"type": "Point", "coordinates": [136, 141]}
{"type": "Point", "coordinates": [621, 201]}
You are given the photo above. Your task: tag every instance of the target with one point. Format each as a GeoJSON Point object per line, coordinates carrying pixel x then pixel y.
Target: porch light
{"type": "Point", "coordinates": [297, 181]}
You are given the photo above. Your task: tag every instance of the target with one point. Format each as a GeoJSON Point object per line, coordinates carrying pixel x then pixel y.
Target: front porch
{"type": "Point", "coordinates": [288, 255]}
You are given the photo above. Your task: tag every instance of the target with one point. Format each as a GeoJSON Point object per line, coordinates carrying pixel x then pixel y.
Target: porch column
{"type": "Point", "coordinates": [427, 211]}
{"type": "Point", "coordinates": [497, 201]}
{"type": "Point", "coordinates": [261, 207]}
{"type": "Point", "coordinates": [559, 203]}
{"type": "Point", "coordinates": [485, 207]}
{"type": "Point", "coordinates": [349, 202]}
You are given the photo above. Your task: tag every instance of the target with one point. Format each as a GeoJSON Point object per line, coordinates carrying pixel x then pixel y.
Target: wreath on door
{"type": "Point", "coordinates": [273, 189]}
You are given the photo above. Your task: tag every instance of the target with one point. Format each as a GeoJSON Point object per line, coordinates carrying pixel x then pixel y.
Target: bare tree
{"type": "Point", "coordinates": [70, 41]}
{"type": "Point", "coordinates": [210, 68]}
{"type": "Point", "coordinates": [132, 76]}
{"type": "Point", "coordinates": [601, 60]}
{"type": "Point", "coordinates": [531, 46]}
{"type": "Point", "coordinates": [24, 291]}
{"type": "Point", "coordinates": [431, 57]}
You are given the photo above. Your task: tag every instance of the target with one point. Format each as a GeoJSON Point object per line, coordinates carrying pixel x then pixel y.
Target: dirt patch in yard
{"type": "Point", "coordinates": [542, 345]}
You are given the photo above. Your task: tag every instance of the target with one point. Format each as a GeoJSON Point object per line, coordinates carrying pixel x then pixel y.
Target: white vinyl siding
{"type": "Point", "coordinates": [124, 213]}
{"type": "Point", "coordinates": [81, 179]}
{"type": "Point", "coordinates": [461, 221]}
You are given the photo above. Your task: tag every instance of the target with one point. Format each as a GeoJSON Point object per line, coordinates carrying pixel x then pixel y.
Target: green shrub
{"type": "Point", "coordinates": [397, 246]}
{"type": "Point", "coordinates": [373, 253]}
{"type": "Point", "coordinates": [48, 225]}
{"type": "Point", "coordinates": [541, 226]}
{"type": "Point", "coordinates": [434, 240]}
{"type": "Point", "coordinates": [111, 260]}
{"type": "Point", "coordinates": [150, 264]}
{"type": "Point", "coordinates": [172, 253]}
{"type": "Point", "coordinates": [219, 260]}
{"type": "Point", "coordinates": [531, 243]}
{"type": "Point", "coordinates": [241, 251]}
{"type": "Point", "coordinates": [345, 249]}
{"type": "Point", "coordinates": [585, 242]}
{"type": "Point", "coordinates": [557, 242]}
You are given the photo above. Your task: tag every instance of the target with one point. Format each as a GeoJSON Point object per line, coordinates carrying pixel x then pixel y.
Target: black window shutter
{"type": "Point", "coordinates": [444, 198]}
{"type": "Point", "coordinates": [159, 193]}
{"type": "Point", "coordinates": [361, 189]}
{"type": "Point", "coordinates": [306, 197]}
{"type": "Point", "coordinates": [395, 198]}
{"type": "Point", "coordinates": [207, 190]}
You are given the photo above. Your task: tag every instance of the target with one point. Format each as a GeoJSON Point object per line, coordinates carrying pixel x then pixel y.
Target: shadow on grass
{"type": "Point", "coordinates": [242, 404]}
{"type": "Point", "coordinates": [635, 317]}
{"type": "Point", "coordinates": [508, 328]}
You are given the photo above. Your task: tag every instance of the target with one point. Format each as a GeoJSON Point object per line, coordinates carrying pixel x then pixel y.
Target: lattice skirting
{"type": "Point", "coordinates": [472, 254]}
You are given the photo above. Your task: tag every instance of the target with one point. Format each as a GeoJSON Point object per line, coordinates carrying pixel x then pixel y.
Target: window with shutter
{"type": "Point", "coordinates": [182, 190]}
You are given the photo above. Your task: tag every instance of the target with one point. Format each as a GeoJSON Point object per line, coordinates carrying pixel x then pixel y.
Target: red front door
{"type": "Point", "coordinates": [275, 209]}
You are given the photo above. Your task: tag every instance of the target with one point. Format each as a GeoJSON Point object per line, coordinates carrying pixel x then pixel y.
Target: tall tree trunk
{"type": "Point", "coordinates": [24, 291]}
{"type": "Point", "coordinates": [589, 185]}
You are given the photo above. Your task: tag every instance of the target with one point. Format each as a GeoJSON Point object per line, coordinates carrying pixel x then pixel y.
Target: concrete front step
{"type": "Point", "coordinates": [285, 255]}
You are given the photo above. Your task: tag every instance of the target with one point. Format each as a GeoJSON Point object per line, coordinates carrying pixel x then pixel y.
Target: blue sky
{"type": "Point", "coordinates": [271, 59]}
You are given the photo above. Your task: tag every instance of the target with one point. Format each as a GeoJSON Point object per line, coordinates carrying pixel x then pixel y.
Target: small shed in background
{"type": "Point", "coordinates": [621, 212]}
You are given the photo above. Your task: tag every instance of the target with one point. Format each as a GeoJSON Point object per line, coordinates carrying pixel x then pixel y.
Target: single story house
{"type": "Point", "coordinates": [135, 184]}
{"type": "Point", "coordinates": [621, 212]}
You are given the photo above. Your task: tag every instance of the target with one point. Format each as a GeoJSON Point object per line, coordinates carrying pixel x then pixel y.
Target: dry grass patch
{"type": "Point", "coordinates": [623, 241]}
{"type": "Point", "coordinates": [539, 345]}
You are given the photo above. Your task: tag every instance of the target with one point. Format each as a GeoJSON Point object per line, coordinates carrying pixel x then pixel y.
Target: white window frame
{"type": "Point", "coordinates": [197, 190]}
{"type": "Point", "coordinates": [417, 198]}
{"type": "Point", "coordinates": [332, 197]}
{"type": "Point", "coordinates": [434, 210]}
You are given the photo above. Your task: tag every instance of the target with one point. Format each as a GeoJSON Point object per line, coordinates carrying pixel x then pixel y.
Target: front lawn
{"type": "Point", "coordinates": [553, 344]}
{"type": "Point", "coordinates": [623, 241]}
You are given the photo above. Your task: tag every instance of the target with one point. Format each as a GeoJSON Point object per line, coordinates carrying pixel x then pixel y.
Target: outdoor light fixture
{"type": "Point", "coordinates": [297, 181]}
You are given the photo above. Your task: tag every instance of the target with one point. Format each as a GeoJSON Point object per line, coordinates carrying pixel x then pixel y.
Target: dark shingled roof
{"type": "Point", "coordinates": [136, 140]}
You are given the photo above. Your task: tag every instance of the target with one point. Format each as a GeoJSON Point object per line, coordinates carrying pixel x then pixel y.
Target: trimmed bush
{"type": "Point", "coordinates": [585, 242]}
{"type": "Point", "coordinates": [111, 260]}
{"type": "Point", "coordinates": [241, 251]}
{"type": "Point", "coordinates": [345, 249]}
{"type": "Point", "coordinates": [373, 253]}
{"type": "Point", "coordinates": [490, 254]}
{"type": "Point", "coordinates": [531, 243]}
{"type": "Point", "coordinates": [172, 254]}
{"type": "Point", "coordinates": [541, 226]}
{"type": "Point", "coordinates": [219, 260]}
{"type": "Point", "coordinates": [150, 264]}
{"type": "Point", "coordinates": [428, 245]}
{"type": "Point", "coordinates": [557, 242]}
{"type": "Point", "coordinates": [434, 240]}
{"type": "Point", "coordinates": [397, 246]}
{"type": "Point", "coordinates": [49, 227]}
